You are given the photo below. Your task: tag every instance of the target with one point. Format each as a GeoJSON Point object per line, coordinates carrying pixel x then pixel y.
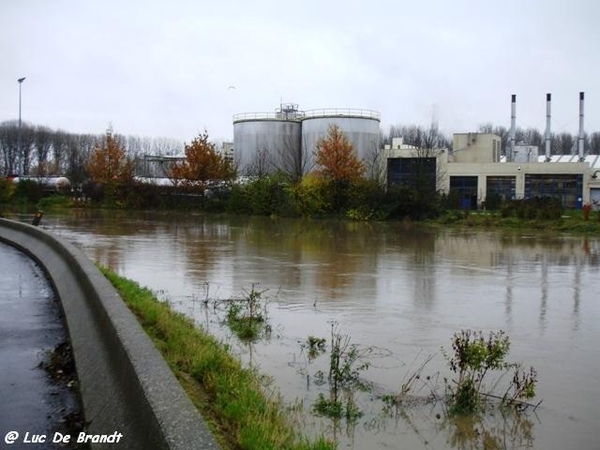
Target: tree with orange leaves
{"type": "Point", "coordinates": [335, 155]}
{"type": "Point", "coordinates": [339, 166]}
{"type": "Point", "coordinates": [109, 163]}
{"type": "Point", "coordinates": [203, 166]}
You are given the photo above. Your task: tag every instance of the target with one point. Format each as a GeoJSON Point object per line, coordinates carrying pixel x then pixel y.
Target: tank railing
{"type": "Point", "coordinates": [312, 113]}
{"type": "Point", "coordinates": [268, 116]}
{"type": "Point", "coordinates": [354, 112]}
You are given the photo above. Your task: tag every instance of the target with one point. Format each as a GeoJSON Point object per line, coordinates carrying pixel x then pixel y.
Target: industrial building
{"type": "Point", "coordinates": [287, 138]}
{"type": "Point", "coordinates": [475, 168]}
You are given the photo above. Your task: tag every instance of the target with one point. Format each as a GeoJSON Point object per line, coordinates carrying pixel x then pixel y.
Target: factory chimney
{"type": "Point", "coordinates": [513, 116]}
{"type": "Point", "coordinates": [581, 136]}
{"type": "Point", "coordinates": [548, 106]}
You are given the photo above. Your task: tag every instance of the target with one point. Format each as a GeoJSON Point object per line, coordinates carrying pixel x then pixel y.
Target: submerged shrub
{"type": "Point", "coordinates": [474, 357]}
{"type": "Point", "coordinates": [247, 317]}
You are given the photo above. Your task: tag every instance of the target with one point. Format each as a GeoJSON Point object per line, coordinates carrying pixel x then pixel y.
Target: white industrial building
{"type": "Point", "coordinates": [475, 167]}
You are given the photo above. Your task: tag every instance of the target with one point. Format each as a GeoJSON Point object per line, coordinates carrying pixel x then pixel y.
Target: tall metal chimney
{"type": "Point", "coordinates": [548, 108]}
{"type": "Point", "coordinates": [581, 136]}
{"type": "Point", "coordinates": [513, 117]}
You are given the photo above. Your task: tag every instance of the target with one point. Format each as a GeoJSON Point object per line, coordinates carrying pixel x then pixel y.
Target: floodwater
{"type": "Point", "coordinates": [399, 293]}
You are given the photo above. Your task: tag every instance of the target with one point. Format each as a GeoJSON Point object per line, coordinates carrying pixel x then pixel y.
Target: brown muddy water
{"type": "Point", "coordinates": [399, 293]}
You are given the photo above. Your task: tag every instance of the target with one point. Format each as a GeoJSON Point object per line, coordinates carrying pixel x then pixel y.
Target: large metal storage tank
{"type": "Point", "coordinates": [361, 127]}
{"type": "Point", "coordinates": [262, 139]}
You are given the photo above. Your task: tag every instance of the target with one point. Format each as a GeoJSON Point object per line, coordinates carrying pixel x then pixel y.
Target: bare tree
{"type": "Point", "coordinates": [532, 136]}
{"type": "Point", "coordinates": [167, 146]}
{"type": "Point", "coordinates": [418, 136]}
{"type": "Point", "coordinates": [293, 159]}
{"type": "Point", "coordinates": [563, 143]}
{"type": "Point", "coordinates": [594, 143]}
{"type": "Point", "coordinates": [79, 150]}
{"type": "Point", "coordinates": [16, 146]}
{"type": "Point", "coordinates": [384, 138]}
{"type": "Point", "coordinates": [52, 152]}
{"type": "Point", "coordinates": [375, 165]}
{"type": "Point", "coordinates": [261, 164]}
{"type": "Point", "coordinates": [27, 144]}
{"type": "Point", "coordinates": [59, 148]}
{"type": "Point", "coordinates": [9, 142]}
{"type": "Point", "coordinates": [43, 143]}
{"type": "Point", "coordinates": [134, 146]}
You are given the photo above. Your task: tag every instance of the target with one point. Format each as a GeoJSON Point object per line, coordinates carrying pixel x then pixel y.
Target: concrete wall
{"type": "Point", "coordinates": [126, 386]}
{"type": "Point", "coordinates": [475, 148]}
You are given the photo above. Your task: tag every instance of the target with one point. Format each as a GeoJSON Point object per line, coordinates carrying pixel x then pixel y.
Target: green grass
{"type": "Point", "coordinates": [54, 202]}
{"type": "Point", "coordinates": [228, 395]}
{"type": "Point", "coordinates": [571, 222]}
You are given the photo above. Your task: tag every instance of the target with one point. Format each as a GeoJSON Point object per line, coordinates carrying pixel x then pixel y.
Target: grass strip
{"type": "Point", "coordinates": [572, 222]}
{"type": "Point", "coordinates": [227, 395]}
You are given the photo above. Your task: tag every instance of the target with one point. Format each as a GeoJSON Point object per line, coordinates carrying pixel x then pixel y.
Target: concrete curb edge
{"type": "Point", "coordinates": [126, 386]}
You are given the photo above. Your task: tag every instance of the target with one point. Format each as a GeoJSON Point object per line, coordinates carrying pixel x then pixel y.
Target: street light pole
{"type": "Point", "coordinates": [20, 80]}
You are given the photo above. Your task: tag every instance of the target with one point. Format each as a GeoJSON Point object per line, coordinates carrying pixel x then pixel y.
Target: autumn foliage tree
{"type": "Point", "coordinates": [109, 164]}
{"type": "Point", "coordinates": [203, 166]}
{"type": "Point", "coordinates": [338, 164]}
{"type": "Point", "coordinates": [336, 158]}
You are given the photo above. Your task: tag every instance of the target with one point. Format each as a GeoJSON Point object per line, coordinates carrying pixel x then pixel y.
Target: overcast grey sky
{"type": "Point", "coordinates": [163, 68]}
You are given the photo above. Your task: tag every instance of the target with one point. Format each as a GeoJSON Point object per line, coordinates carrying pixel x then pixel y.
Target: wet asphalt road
{"type": "Point", "coordinates": [31, 326]}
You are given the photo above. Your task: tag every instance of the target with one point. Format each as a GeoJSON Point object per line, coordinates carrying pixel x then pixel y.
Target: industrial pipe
{"type": "Point", "coordinates": [548, 108]}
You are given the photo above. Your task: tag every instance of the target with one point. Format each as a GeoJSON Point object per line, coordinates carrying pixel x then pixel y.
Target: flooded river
{"type": "Point", "coordinates": [399, 293]}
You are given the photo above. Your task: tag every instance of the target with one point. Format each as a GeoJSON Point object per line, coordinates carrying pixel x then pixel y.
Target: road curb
{"type": "Point", "coordinates": [126, 385]}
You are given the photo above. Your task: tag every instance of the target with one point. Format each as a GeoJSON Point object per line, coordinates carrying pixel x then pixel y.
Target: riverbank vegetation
{"type": "Point", "coordinates": [230, 397]}
{"type": "Point", "coordinates": [337, 188]}
{"type": "Point", "coordinates": [312, 198]}
{"type": "Point", "coordinates": [247, 316]}
{"type": "Point", "coordinates": [474, 358]}
{"type": "Point", "coordinates": [346, 363]}
{"type": "Point", "coordinates": [482, 382]}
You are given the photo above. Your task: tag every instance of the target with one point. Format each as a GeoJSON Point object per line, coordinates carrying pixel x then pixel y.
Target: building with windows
{"type": "Point", "coordinates": [475, 169]}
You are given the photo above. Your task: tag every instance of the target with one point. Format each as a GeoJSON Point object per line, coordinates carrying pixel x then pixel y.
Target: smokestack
{"type": "Point", "coordinates": [548, 108]}
{"type": "Point", "coordinates": [513, 116]}
{"type": "Point", "coordinates": [581, 137]}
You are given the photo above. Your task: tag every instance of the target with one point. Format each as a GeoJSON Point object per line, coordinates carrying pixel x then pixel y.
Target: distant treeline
{"type": "Point", "coordinates": [561, 143]}
{"type": "Point", "coordinates": [44, 151]}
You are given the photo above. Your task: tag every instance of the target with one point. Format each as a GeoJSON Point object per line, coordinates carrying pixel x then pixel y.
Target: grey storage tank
{"type": "Point", "coordinates": [263, 142]}
{"type": "Point", "coordinates": [287, 138]}
{"type": "Point", "coordinates": [360, 126]}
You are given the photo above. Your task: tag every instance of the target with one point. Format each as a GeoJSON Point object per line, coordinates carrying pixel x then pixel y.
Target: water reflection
{"type": "Point", "coordinates": [406, 290]}
{"type": "Point", "coordinates": [505, 430]}
{"type": "Point", "coordinates": [544, 285]}
{"type": "Point", "coordinates": [431, 427]}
